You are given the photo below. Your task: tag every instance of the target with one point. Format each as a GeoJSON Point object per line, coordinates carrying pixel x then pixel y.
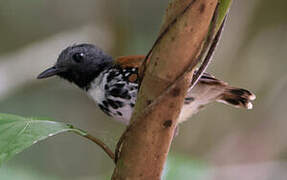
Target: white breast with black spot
{"type": "Point", "coordinates": [114, 94]}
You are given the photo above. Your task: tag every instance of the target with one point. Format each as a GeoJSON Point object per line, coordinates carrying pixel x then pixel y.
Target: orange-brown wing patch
{"type": "Point", "coordinates": [130, 61]}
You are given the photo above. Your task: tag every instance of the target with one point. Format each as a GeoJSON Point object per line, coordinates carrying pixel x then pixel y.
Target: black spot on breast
{"type": "Point", "coordinates": [119, 85]}
{"type": "Point", "coordinates": [111, 76]}
{"type": "Point", "coordinates": [119, 113]}
{"type": "Point", "coordinates": [132, 105]}
{"type": "Point", "coordinates": [106, 110]}
{"type": "Point", "coordinates": [105, 103]}
{"type": "Point", "coordinates": [116, 92]}
{"type": "Point", "coordinates": [120, 92]}
{"type": "Point", "coordinates": [115, 104]}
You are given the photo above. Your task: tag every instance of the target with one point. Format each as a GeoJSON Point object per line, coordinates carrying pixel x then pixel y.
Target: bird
{"type": "Point", "coordinates": [114, 83]}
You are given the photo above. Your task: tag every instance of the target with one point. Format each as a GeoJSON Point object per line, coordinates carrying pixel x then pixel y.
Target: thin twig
{"type": "Point", "coordinates": [208, 57]}
{"type": "Point", "coordinates": [206, 45]}
{"type": "Point", "coordinates": [108, 151]}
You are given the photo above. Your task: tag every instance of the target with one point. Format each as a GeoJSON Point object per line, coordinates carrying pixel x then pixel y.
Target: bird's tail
{"type": "Point", "coordinates": [237, 97]}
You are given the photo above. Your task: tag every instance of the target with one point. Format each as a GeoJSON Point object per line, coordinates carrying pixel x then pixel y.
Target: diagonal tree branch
{"type": "Point", "coordinates": [146, 146]}
{"type": "Point", "coordinates": [208, 41]}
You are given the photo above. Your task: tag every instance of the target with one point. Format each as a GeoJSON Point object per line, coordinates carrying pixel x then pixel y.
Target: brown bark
{"type": "Point", "coordinates": [148, 140]}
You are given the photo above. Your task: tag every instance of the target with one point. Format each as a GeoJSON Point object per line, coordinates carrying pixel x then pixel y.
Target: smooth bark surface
{"type": "Point", "coordinates": [145, 148]}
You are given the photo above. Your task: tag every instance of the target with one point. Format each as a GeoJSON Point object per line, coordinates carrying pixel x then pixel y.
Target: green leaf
{"type": "Point", "coordinates": [224, 7]}
{"type": "Point", "coordinates": [18, 133]}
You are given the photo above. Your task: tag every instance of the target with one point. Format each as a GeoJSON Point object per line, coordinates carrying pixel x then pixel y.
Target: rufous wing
{"type": "Point", "coordinates": [135, 61]}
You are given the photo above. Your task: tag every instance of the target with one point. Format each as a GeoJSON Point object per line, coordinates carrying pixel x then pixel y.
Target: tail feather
{"type": "Point", "coordinates": [237, 97]}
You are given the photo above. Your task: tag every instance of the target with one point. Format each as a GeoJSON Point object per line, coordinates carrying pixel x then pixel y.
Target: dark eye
{"type": "Point", "coordinates": [78, 57]}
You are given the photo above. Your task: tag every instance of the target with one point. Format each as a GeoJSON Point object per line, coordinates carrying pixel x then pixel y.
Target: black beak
{"type": "Point", "coordinates": [49, 72]}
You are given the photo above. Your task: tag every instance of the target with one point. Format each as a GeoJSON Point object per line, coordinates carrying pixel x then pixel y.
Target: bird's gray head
{"type": "Point", "coordinates": [79, 64]}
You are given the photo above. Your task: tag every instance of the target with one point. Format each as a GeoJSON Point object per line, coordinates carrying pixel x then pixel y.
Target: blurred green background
{"type": "Point", "coordinates": [218, 143]}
